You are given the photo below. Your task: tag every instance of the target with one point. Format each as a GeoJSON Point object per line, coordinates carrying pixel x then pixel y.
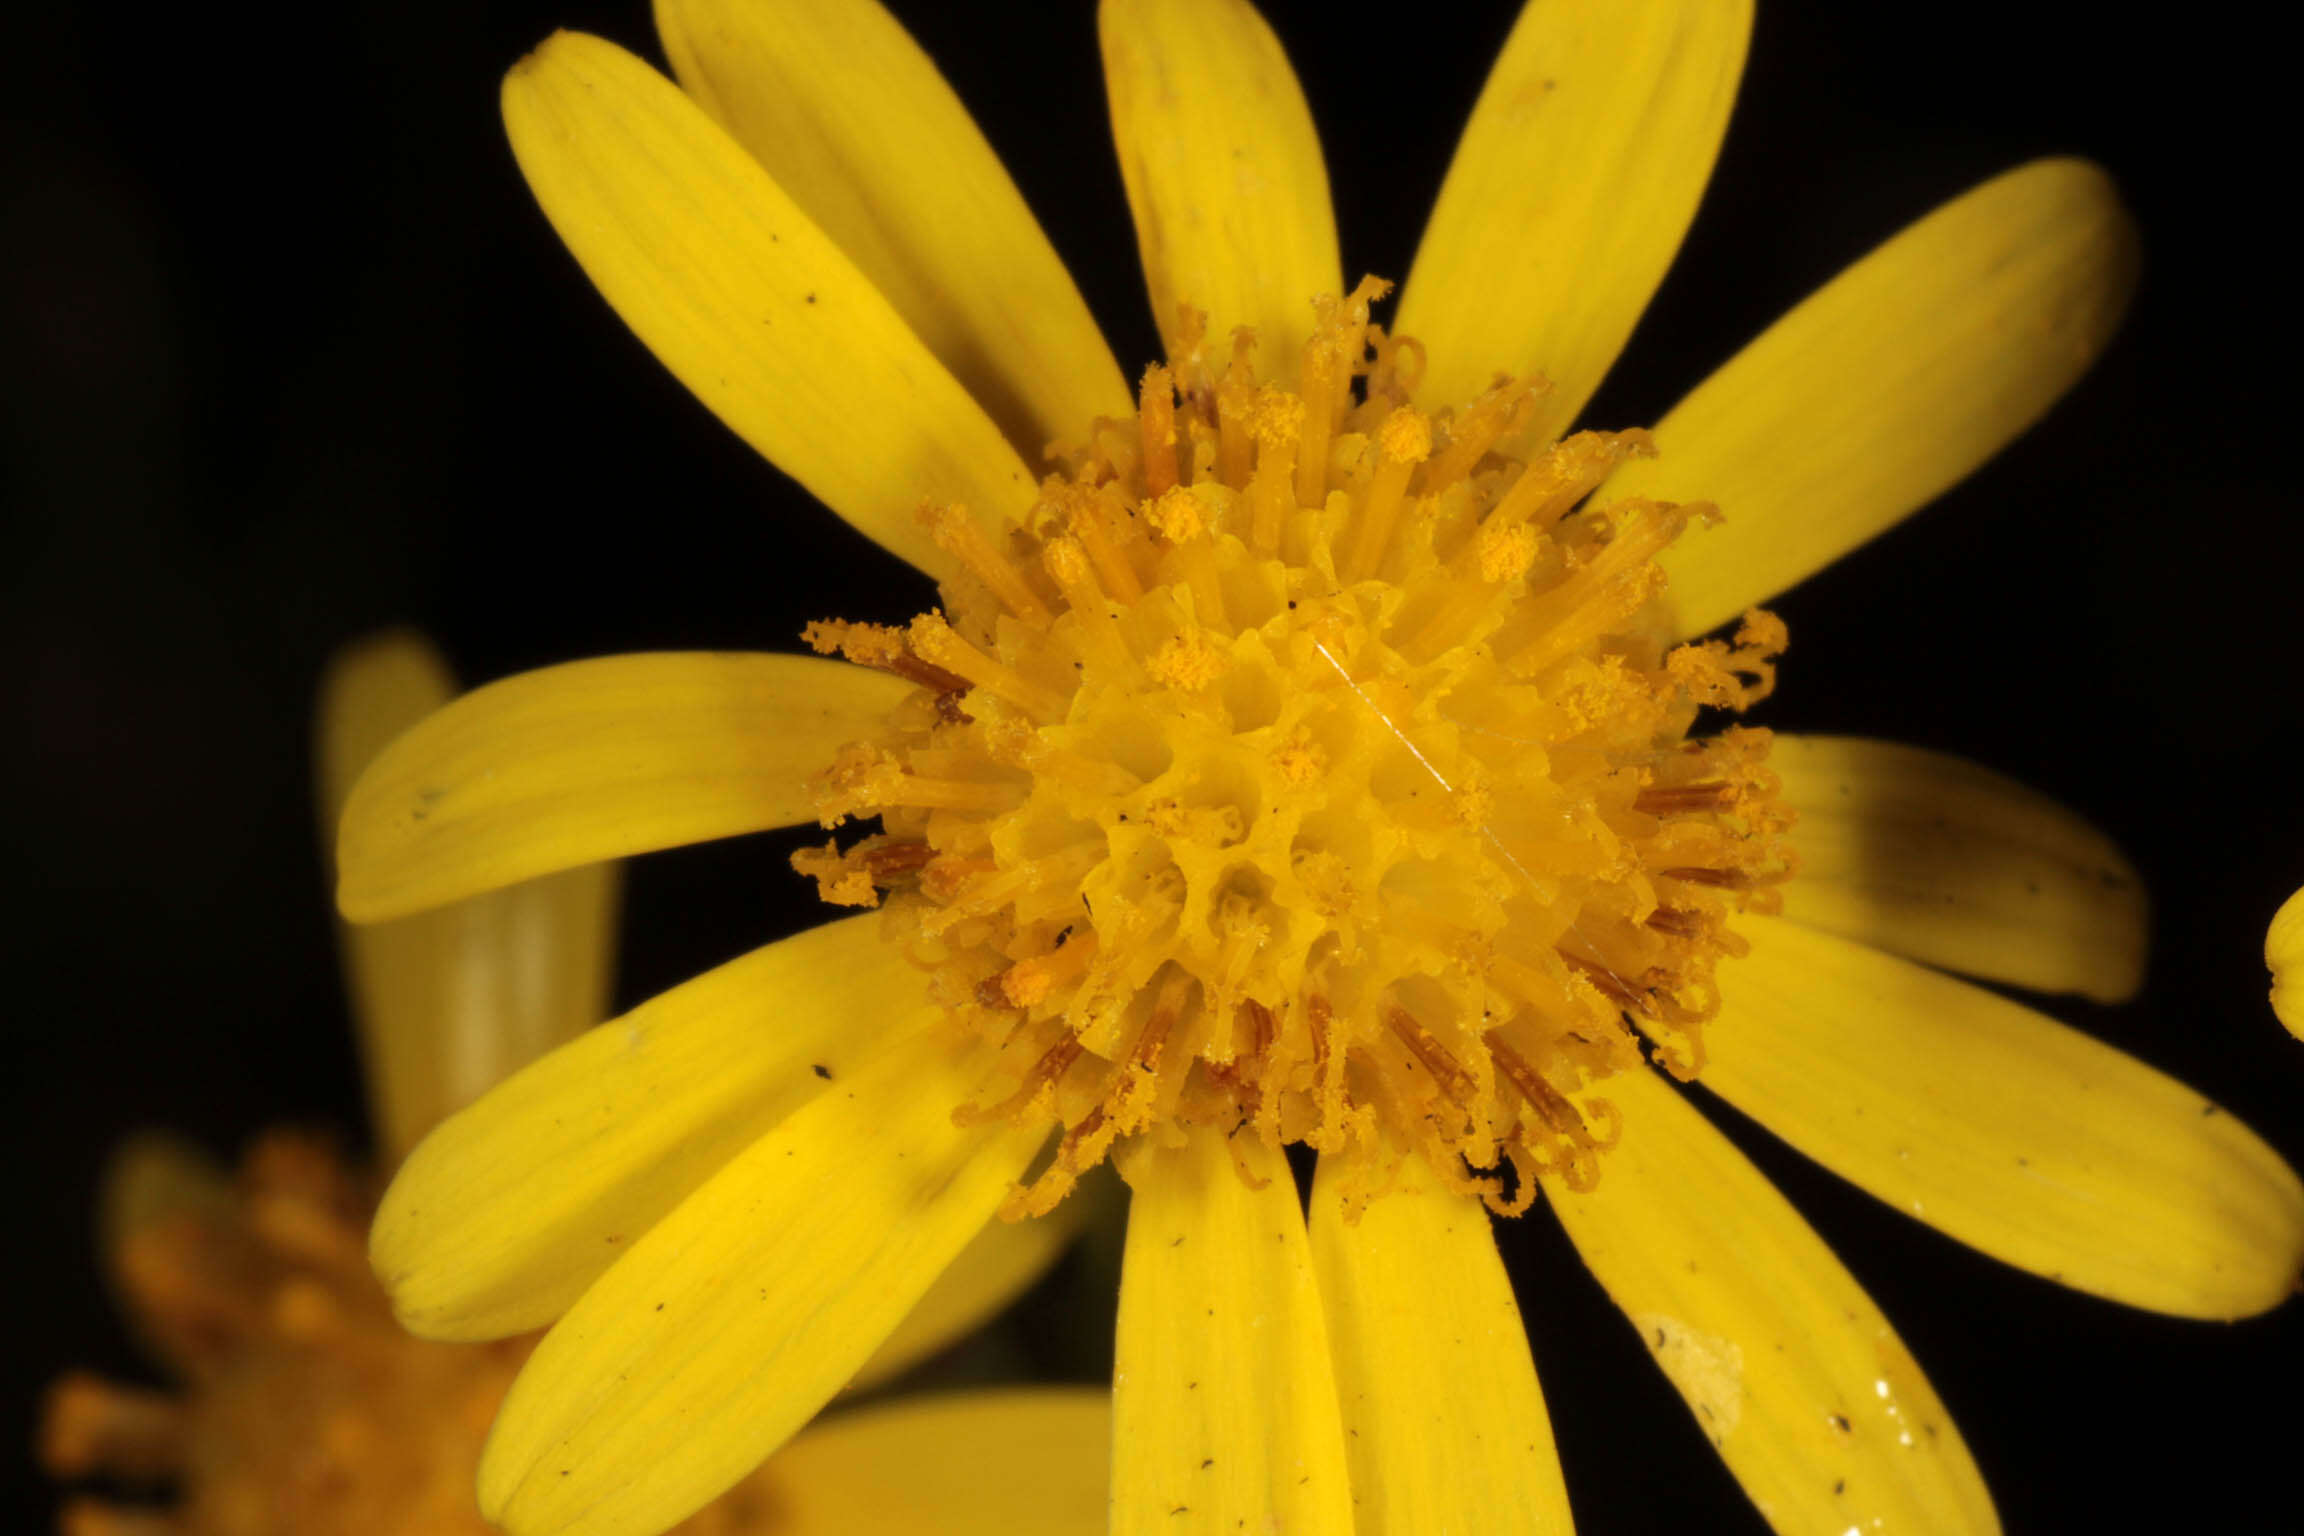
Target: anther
{"type": "Point", "coordinates": [1679, 799]}
{"type": "Point", "coordinates": [1403, 442]}
{"type": "Point", "coordinates": [1156, 414]}
{"type": "Point", "coordinates": [938, 644]}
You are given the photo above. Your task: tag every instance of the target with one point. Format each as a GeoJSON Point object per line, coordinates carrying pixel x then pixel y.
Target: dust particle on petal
{"type": "Point", "coordinates": [1708, 1369]}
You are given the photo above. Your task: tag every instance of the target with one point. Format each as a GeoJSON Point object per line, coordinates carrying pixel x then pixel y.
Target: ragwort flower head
{"type": "Point", "coordinates": [1313, 757]}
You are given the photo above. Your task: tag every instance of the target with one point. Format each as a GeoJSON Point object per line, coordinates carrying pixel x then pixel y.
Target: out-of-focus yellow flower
{"type": "Point", "coordinates": [303, 1409]}
{"type": "Point", "coordinates": [1307, 760]}
{"type": "Point", "coordinates": [2284, 954]}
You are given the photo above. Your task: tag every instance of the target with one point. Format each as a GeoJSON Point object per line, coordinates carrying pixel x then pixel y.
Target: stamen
{"type": "Point", "coordinates": [1157, 413]}
{"type": "Point", "coordinates": [963, 538]}
{"type": "Point", "coordinates": [1405, 441]}
{"type": "Point", "coordinates": [1276, 423]}
{"type": "Point", "coordinates": [1674, 799]}
{"type": "Point", "coordinates": [1085, 518]}
{"type": "Point", "coordinates": [1447, 1073]}
{"type": "Point", "coordinates": [1475, 429]}
{"type": "Point", "coordinates": [1235, 407]}
{"type": "Point", "coordinates": [1565, 474]}
{"type": "Point", "coordinates": [938, 644]}
{"type": "Point", "coordinates": [1679, 924]}
{"type": "Point", "coordinates": [1320, 392]}
{"type": "Point", "coordinates": [891, 857]}
{"type": "Point", "coordinates": [1612, 986]}
{"type": "Point", "coordinates": [882, 648]}
{"type": "Point", "coordinates": [1038, 1086]}
{"type": "Point", "coordinates": [1028, 983]}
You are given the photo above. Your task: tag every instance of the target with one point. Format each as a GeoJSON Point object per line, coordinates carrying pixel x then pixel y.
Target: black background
{"type": "Point", "coordinates": [290, 354]}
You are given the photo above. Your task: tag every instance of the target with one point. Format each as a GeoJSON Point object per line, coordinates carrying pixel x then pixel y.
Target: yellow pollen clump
{"type": "Point", "coordinates": [1177, 515]}
{"type": "Point", "coordinates": [1188, 662]}
{"type": "Point", "coordinates": [1314, 765]}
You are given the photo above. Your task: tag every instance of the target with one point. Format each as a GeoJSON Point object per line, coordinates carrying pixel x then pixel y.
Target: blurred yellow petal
{"type": "Point", "coordinates": [855, 124]}
{"type": "Point", "coordinates": [2284, 953]}
{"type": "Point", "coordinates": [2019, 1136]}
{"type": "Point", "coordinates": [1445, 1423]}
{"type": "Point", "coordinates": [749, 304]}
{"type": "Point", "coordinates": [1223, 171]}
{"type": "Point", "coordinates": [372, 691]}
{"type": "Point", "coordinates": [1889, 384]}
{"type": "Point", "coordinates": [450, 1002]}
{"type": "Point", "coordinates": [725, 1328]}
{"type": "Point", "coordinates": [519, 972]}
{"type": "Point", "coordinates": [574, 764]}
{"type": "Point", "coordinates": [403, 986]}
{"type": "Point", "coordinates": [1575, 180]}
{"type": "Point", "coordinates": [998, 1265]}
{"type": "Point", "coordinates": [1939, 859]}
{"type": "Point", "coordinates": [503, 1216]}
{"type": "Point", "coordinates": [1791, 1371]}
{"type": "Point", "coordinates": [1025, 1461]}
{"type": "Point", "coordinates": [1223, 1398]}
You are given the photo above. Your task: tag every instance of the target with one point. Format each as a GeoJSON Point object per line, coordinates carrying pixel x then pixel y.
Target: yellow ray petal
{"type": "Point", "coordinates": [1223, 1399]}
{"type": "Point", "coordinates": [726, 1327]}
{"type": "Point", "coordinates": [1793, 1375]}
{"type": "Point", "coordinates": [998, 1265]}
{"type": "Point", "coordinates": [853, 121]}
{"type": "Point", "coordinates": [1011, 1462]}
{"type": "Point", "coordinates": [503, 1216]}
{"type": "Point", "coordinates": [2016, 1135]}
{"type": "Point", "coordinates": [1890, 383]}
{"type": "Point", "coordinates": [573, 764]}
{"type": "Point", "coordinates": [1943, 860]}
{"type": "Point", "coordinates": [451, 1001]}
{"type": "Point", "coordinates": [2284, 953]}
{"type": "Point", "coordinates": [1446, 1427]}
{"type": "Point", "coordinates": [1223, 170]}
{"type": "Point", "coordinates": [1576, 177]}
{"type": "Point", "coordinates": [748, 303]}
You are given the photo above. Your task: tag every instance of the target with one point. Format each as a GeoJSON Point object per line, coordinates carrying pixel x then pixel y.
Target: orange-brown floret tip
{"type": "Point", "coordinates": [1314, 764]}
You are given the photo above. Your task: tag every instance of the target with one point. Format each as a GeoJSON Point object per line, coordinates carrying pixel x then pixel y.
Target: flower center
{"type": "Point", "coordinates": [1309, 764]}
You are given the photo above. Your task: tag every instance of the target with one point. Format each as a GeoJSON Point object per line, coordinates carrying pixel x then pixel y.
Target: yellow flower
{"type": "Point", "coordinates": [302, 1408]}
{"type": "Point", "coordinates": [2284, 954]}
{"type": "Point", "coordinates": [1301, 764]}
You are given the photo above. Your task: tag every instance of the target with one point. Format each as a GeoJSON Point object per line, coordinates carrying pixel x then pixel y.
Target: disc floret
{"type": "Point", "coordinates": [1311, 765]}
